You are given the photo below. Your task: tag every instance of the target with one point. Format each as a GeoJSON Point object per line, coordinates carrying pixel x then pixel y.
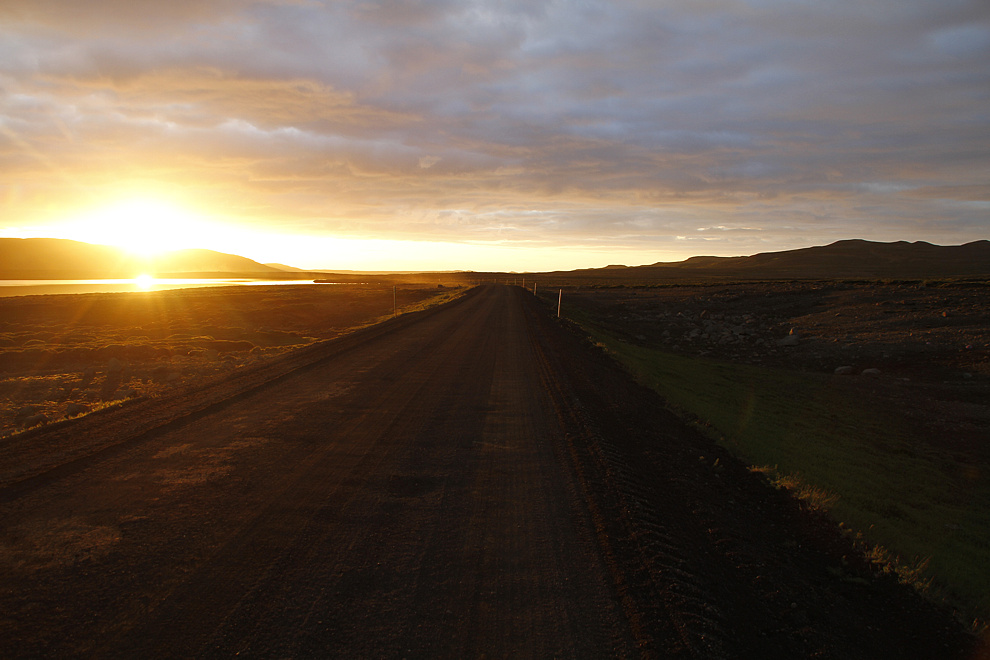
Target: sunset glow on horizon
{"type": "Point", "coordinates": [435, 135]}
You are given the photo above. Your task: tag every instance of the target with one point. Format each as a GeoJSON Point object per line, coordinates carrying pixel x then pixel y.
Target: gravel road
{"type": "Point", "coordinates": [471, 481]}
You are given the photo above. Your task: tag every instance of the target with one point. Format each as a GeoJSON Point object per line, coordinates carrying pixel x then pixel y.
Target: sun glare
{"type": "Point", "coordinates": [144, 227]}
{"type": "Point", "coordinates": [144, 281]}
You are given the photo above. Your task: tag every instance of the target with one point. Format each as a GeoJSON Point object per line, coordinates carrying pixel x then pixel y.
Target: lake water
{"type": "Point", "coordinates": [36, 287]}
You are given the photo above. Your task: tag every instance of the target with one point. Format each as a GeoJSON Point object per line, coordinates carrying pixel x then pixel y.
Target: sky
{"type": "Point", "coordinates": [481, 135]}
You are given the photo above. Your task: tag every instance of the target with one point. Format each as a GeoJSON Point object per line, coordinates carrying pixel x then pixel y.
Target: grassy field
{"type": "Point", "coordinates": [919, 510]}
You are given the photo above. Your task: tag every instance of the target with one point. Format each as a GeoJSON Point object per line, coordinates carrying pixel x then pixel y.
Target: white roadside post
{"type": "Point", "coordinates": [560, 296]}
{"type": "Point", "coordinates": [395, 309]}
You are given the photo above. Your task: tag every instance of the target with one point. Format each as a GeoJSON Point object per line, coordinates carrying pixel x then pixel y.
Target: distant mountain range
{"type": "Point", "coordinates": [55, 258]}
{"type": "Point", "coordinates": [850, 259]}
{"type": "Point", "coordinates": [52, 258]}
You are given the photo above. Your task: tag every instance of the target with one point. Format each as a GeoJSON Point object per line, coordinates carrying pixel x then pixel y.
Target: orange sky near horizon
{"type": "Point", "coordinates": [167, 227]}
{"type": "Point", "coordinates": [525, 136]}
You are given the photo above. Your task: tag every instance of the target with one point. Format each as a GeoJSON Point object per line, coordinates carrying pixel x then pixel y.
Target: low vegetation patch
{"type": "Point", "coordinates": [67, 355]}
{"type": "Point", "coordinates": [917, 507]}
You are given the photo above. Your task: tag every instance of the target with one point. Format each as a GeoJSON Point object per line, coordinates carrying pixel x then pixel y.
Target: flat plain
{"type": "Point", "coordinates": [60, 354]}
{"type": "Point", "coordinates": [471, 479]}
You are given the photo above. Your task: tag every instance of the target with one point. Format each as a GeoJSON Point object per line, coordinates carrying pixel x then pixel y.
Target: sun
{"type": "Point", "coordinates": [144, 226]}
{"type": "Point", "coordinates": [147, 225]}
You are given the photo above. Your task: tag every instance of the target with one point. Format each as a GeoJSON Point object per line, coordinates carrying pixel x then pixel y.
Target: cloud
{"type": "Point", "coordinates": [426, 162]}
{"type": "Point", "coordinates": [200, 95]}
{"type": "Point", "coordinates": [103, 16]}
{"type": "Point", "coordinates": [626, 121]}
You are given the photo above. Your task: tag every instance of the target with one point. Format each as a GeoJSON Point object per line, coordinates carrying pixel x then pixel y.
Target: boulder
{"type": "Point", "coordinates": [115, 365]}
{"type": "Point", "coordinates": [871, 372]}
{"type": "Point", "coordinates": [35, 420]}
{"type": "Point", "coordinates": [74, 409]}
{"type": "Point", "coordinates": [843, 371]}
{"type": "Point", "coordinates": [789, 340]}
{"type": "Point", "coordinates": [160, 373]}
{"type": "Point", "coordinates": [24, 413]}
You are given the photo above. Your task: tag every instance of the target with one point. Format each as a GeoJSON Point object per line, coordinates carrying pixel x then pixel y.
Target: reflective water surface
{"type": "Point", "coordinates": [144, 283]}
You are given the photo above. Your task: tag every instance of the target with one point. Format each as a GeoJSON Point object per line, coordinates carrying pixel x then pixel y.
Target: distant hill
{"type": "Point", "coordinates": [850, 259]}
{"type": "Point", "coordinates": [56, 258]}
{"type": "Point", "coordinates": [207, 261]}
{"type": "Point", "coordinates": [288, 269]}
{"type": "Point", "coordinates": [52, 258]}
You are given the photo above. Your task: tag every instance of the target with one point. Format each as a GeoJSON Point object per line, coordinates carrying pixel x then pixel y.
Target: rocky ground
{"type": "Point", "coordinates": [922, 347]}
{"type": "Point", "coordinates": [906, 330]}
{"type": "Point", "coordinates": [65, 355]}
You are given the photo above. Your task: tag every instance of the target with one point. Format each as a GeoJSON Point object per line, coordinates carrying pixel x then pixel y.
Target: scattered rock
{"type": "Point", "coordinates": [74, 409]}
{"type": "Point", "coordinates": [871, 372]}
{"type": "Point", "coordinates": [115, 365]}
{"type": "Point", "coordinates": [789, 340]}
{"type": "Point", "coordinates": [843, 371]}
{"type": "Point", "coordinates": [87, 377]}
{"type": "Point", "coordinates": [24, 413]}
{"type": "Point", "coordinates": [35, 420]}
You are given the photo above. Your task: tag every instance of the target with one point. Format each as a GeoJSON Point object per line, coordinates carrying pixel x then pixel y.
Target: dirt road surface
{"type": "Point", "coordinates": [472, 481]}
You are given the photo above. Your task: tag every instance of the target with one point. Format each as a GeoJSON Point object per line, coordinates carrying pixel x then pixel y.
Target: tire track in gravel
{"type": "Point", "coordinates": [665, 599]}
{"type": "Point", "coordinates": [403, 498]}
{"type": "Point", "coordinates": [326, 498]}
{"type": "Point", "coordinates": [709, 560]}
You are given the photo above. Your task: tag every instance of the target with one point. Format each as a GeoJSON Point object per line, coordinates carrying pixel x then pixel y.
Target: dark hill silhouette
{"type": "Point", "coordinates": [55, 258]}
{"type": "Point", "coordinates": [50, 258]}
{"type": "Point", "coordinates": [207, 261]}
{"type": "Point", "coordinates": [30, 258]}
{"type": "Point", "coordinates": [288, 269]}
{"type": "Point", "coordinates": [849, 259]}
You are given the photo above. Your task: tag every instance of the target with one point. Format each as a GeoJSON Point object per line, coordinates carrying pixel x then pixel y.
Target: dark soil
{"type": "Point", "coordinates": [471, 481]}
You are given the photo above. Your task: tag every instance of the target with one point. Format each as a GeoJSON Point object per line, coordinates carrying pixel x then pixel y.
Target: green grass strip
{"type": "Point", "coordinates": [923, 513]}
